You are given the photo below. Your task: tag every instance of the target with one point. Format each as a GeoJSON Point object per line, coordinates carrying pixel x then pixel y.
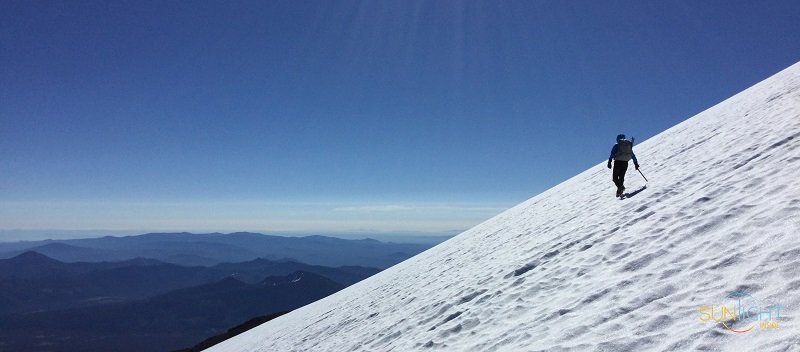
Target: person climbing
{"type": "Point", "coordinates": [621, 153]}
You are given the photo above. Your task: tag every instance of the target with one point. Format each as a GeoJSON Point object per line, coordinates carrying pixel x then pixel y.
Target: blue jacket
{"type": "Point", "coordinates": [614, 153]}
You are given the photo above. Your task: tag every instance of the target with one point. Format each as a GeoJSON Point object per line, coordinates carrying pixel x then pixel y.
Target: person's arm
{"type": "Point", "coordinates": [613, 153]}
{"type": "Point", "coordinates": [635, 163]}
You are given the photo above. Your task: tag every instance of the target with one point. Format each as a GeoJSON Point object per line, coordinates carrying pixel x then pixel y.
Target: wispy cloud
{"type": "Point", "coordinates": [396, 208]}
{"type": "Point", "coordinates": [373, 208]}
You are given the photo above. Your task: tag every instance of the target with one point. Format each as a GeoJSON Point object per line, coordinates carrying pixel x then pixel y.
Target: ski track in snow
{"type": "Point", "coordinates": [574, 269]}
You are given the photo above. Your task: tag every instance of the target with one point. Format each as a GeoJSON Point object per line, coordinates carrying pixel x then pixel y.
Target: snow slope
{"type": "Point", "coordinates": [574, 269]}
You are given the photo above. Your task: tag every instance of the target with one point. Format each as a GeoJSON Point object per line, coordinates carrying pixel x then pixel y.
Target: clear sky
{"type": "Point", "coordinates": [335, 116]}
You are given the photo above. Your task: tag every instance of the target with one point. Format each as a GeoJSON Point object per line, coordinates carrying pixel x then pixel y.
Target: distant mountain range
{"type": "Point", "coordinates": [166, 291]}
{"type": "Point", "coordinates": [148, 305]}
{"type": "Point", "coordinates": [210, 249]}
{"type": "Point", "coordinates": [34, 282]}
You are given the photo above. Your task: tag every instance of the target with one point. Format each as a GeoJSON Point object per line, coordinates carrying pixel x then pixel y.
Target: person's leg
{"type": "Point", "coordinates": [620, 167]}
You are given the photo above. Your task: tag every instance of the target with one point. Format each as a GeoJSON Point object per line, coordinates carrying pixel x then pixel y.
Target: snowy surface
{"type": "Point", "coordinates": [574, 269]}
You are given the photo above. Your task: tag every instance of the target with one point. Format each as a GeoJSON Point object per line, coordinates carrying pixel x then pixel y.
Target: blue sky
{"type": "Point", "coordinates": [337, 116]}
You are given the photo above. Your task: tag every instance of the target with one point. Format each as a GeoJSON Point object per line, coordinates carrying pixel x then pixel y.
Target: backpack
{"type": "Point", "coordinates": [624, 150]}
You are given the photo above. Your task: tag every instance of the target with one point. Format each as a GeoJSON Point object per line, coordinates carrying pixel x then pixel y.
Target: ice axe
{"type": "Point", "coordinates": [640, 173]}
